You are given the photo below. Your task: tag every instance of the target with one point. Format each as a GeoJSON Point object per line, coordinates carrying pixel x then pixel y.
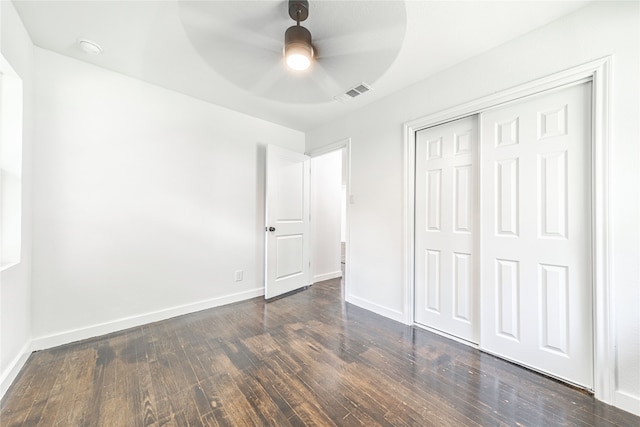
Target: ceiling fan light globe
{"type": "Point", "coordinates": [298, 58]}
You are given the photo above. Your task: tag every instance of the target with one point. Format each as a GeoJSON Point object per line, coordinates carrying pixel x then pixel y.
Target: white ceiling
{"type": "Point", "coordinates": [229, 52]}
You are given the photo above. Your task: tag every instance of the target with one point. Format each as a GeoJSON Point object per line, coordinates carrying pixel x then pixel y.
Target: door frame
{"type": "Point", "coordinates": [599, 73]}
{"type": "Point", "coordinates": [335, 146]}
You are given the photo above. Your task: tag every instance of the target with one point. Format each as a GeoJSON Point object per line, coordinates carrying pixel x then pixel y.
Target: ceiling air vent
{"type": "Point", "coordinates": [354, 92]}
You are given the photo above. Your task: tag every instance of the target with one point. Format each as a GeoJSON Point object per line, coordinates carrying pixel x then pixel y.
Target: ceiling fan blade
{"type": "Point", "coordinates": [354, 43]}
{"type": "Point", "coordinates": [345, 18]}
{"type": "Point", "coordinates": [325, 81]}
{"type": "Point", "coordinates": [219, 23]}
{"type": "Point", "coordinates": [268, 80]}
{"type": "Point", "coordinates": [314, 86]}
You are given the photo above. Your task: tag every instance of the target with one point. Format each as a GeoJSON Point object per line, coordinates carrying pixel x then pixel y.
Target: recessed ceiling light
{"type": "Point", "coordinates": [90, 47]}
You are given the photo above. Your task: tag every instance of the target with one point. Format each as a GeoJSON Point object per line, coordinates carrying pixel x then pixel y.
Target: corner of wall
{"type": "Point", "coordinates": [390, 313]}
{"type": "Point", "coordinates": [13, 369]}
{"type": "Point", "coordinates": [15, 287]}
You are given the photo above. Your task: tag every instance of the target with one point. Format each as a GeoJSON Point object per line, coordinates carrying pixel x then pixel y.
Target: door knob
{"type": "Point", "coordinates": [272, 229]}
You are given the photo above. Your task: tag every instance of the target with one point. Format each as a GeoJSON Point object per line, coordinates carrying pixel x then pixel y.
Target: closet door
{"type": "Point", "coordinates": [536, 233]}
{"type": "Point", "coordinates": [445, 228]}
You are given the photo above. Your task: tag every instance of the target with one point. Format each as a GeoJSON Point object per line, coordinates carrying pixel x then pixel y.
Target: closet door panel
{"type": "Point", "coordinates": [536, 233]}
{"type": "Point", "coordinates": [446, 296]}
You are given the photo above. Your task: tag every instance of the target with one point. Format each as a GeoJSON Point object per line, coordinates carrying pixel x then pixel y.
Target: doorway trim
{"type": "Point", "coordinates": [599, 73]}
{"type": "Point", "coordinates": [335, 146]}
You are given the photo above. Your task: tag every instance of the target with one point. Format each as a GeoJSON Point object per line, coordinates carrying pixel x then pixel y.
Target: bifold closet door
{"type": "Point", "coordinates": [536, 233]}
{"type": "Point", "coordinates": [445, 228]}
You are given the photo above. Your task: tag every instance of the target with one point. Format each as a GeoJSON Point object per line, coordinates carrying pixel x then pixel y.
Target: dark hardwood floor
{"type": "Point", "coordinates": [308, 359]}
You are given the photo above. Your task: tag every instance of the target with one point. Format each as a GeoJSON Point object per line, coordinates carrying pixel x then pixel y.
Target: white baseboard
{"type": "Point", "coordinates": [627, 402]}
{"type": "Point", "coordinates": [446, 335]}
{"type": "Point", "coordinates": [326, 276]}
{"type": "Point", "coordinates": [623, 400]}
{"type": "Point", "coordinates": [392, 314]}
{"type": "Point", "coordinates": [12, 371]}
{"type": "Point", "coordinates": [66, 337]}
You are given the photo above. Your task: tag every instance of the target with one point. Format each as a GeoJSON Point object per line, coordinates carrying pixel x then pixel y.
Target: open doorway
{"type": "Point", "coordinates": [329, 212]}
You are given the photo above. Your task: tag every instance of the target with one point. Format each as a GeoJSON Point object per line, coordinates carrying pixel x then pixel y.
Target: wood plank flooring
{"type": "Point", "coordinates": [308, 359]}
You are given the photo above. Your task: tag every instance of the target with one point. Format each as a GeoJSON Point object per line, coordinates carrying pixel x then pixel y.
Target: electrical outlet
{"type": "Point", "coordinates": [238, 275]}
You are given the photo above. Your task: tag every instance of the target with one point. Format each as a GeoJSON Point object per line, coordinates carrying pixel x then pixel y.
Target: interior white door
{"type": "Point", "coordinates": [287, 221]}
{"type": "Point", "coordinates": [536, 233]}
{"type": "Point", "coordinates": [446, 223]}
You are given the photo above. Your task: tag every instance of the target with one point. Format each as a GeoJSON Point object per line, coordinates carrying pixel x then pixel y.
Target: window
{"type": "Point", "coordinates": [10, 164]}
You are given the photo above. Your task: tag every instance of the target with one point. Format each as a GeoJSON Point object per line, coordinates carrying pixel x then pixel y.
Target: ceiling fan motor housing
{"type": "Point", "coordinates": [298, 10]}
{"type": "Point", "coordinates": [297, 35]}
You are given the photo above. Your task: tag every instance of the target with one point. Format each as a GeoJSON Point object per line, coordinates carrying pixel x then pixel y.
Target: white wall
{"type": "Point", "coordinates": [15, 286]}
{"type": "Point", "coordinates": [146, 201]}
{"type": "Point", "coordinates": [376, 220]}
{"type": "Point", "coordinates": [325, 205]}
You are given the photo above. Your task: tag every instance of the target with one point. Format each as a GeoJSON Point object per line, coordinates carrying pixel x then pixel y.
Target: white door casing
{"type": "Point", "coordinates": [446, 228]}
{"type": "Point", "coordinates": [536, 245]}
{"type": "Point", "coordinates": [286, 221]}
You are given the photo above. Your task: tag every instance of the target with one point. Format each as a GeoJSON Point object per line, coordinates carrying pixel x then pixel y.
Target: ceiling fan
{"type": "Point", "coordinates": [298, 49]}
{"type": "Point", "coordinates": [353, 42]}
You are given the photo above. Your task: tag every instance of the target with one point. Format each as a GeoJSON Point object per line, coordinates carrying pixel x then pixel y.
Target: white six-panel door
{"type": "Point", "coordinates": [446, 214]}
{"type": "Point", "coordinates": [522, 223]}
{"type": "Point", "coordinates": [536, 233]}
